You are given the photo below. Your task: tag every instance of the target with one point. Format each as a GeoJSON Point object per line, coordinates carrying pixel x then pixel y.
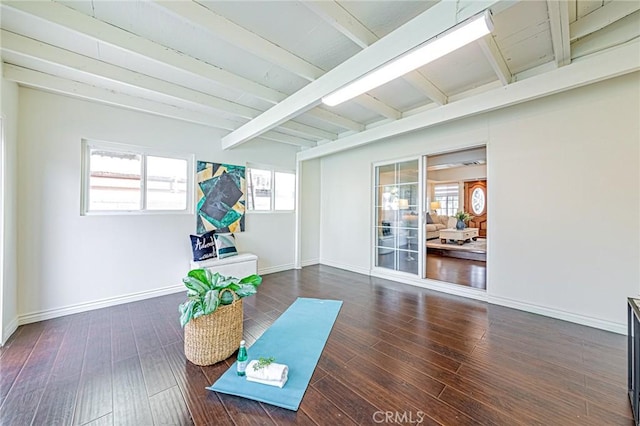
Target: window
{"type": "Point", "coordinates": [477, 201]}
{"type": "Point", "coordinates": [270, 190]}
{"type": "Point", "coordinates": [123, 179]}
{"type": "Point", "coordinates": [396, 232]}
{"type": "Point", "coordinates": [284, 191]}
{"type": "Point", "coordinates": [448, 194]}
{"type": "Point", "coordinates": [259, 189]}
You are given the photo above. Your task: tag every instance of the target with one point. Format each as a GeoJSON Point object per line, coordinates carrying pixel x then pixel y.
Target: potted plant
{"type": "Point", "coordinates": [212, 314]}
{"type": "Point", "coordinates": [462, 217]}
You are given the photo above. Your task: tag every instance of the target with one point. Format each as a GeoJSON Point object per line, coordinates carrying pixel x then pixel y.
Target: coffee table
{"type": "Point", "coordinates": [460, 235]}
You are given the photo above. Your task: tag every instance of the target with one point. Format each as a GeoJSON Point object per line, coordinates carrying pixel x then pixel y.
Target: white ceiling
{"type": "Point", "coordinates": [257, 69]}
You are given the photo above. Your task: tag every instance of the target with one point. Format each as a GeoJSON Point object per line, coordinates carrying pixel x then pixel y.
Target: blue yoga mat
{"type": "Point", "coordinates": [295, 339]}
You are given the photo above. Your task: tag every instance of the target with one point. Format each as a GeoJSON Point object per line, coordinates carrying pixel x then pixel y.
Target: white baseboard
{"type": "Point", "coordinates": [429, 284]}
{"type": "Point", "coordinates": [111, 301]}
{"type": "Point", "coordinates": [8, 331]}
{"type": "Point", "coordinates": [89, 306]}
{"type": "Point", "coordinates": [562, 315]}
{"type": "Point", "coordinates": [473, 293]}
{"type": "Point", "coordinates": [468, 292]}
{"type": "Point", "coordinates": [309, 262]}
{"type": "Point", "coordinates": [344, 266]}
{"type": "Point", "coordinates": [274, 269]}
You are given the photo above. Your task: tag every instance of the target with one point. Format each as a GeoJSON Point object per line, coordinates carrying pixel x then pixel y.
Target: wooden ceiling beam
{"type": "Point", "coordinates": [373, 104]}
{"type": "Point", "coordinates": [434, 21]}
{"type": "Point", "coordinates": [288, 139]}
{"type": "Point", "coordinates": [306, 131]}
{"type": "Point", "coordinates": [119, 38]}
{"type": "Point", "coordinates": [76, 89]}
{"type": "Point", "coordinates": [50, 83]}
{"type": "Point", "coordinates": [495, 58]}
{"type": "Point", "coordinates": [430, 90]}
{"type": "Point", "coordinates": [256, 45]}
{"type": "Point", "coordinates": [600, 18]}
{"type": "Point", "coordinates": [616, 34]}
{"type": "Point", "coordinates": [336, 16]}
{"type": "Point", "coordinates": [559, 26]}
{"type": "Point", "coordinates": [27, 47]}
{"type": "Point", "coordinates": [338, 120]}
{"type": "Point", "coordinates": [240, 37]}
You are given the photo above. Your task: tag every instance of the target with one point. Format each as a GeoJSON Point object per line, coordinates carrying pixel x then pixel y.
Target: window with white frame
{"type": "Point", "coordinates": [448, 194]}
{"type": "Point", "coordinates": [270, 190]}
{"type": "Point", "coordinates": [120, 178]}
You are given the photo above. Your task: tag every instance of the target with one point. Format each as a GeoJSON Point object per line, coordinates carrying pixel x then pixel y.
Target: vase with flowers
{"type": "Point", "coordinates": [462, 218]}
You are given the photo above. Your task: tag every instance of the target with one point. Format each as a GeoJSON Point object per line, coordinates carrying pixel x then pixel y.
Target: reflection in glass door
{"type": "Point", "coordinates": [397, 216]}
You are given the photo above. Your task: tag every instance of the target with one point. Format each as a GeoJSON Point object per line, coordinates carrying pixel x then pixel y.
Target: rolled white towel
{"type": "Point", "coordinates": [273, 374]}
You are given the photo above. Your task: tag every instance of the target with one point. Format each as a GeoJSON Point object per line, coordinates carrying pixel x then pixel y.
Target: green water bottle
{"type": "Point", "coordinates": [241, 365]}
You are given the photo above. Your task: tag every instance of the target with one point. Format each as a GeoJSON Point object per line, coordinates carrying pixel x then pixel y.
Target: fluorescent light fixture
{"type": "Point", "coordinates": [455, 38]}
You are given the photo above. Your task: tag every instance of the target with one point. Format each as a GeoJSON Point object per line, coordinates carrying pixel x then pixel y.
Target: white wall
{"type": "Point", "coordinates": [551, 164]}
{"type": "Point", "coordinates": [68, 261]}
{"type": "Point", "coordinates": [310, 212]}
{"type": "Point", "coordinates": [568, 171]}
{"type": "Point", "coordinates": [9, 262]}
{"type": "Point", "coordinates": [274, 243]}
{"type": "Point", "coordinates": [345, 194]}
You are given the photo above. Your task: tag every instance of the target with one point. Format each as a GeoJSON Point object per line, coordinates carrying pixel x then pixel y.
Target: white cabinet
{"type": "Point", "coordinates": [238, 266]}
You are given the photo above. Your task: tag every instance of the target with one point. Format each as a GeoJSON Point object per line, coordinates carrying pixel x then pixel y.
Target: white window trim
{"type": "Point", "coordinates": [272, 202]}
{"type": "Point", "coordinates": [88, 144]}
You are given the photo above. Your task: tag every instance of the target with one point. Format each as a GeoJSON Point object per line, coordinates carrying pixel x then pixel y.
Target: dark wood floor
{"type": "Point", "coordinates": [395, 350]}
{"type": "Point", "coordinates": [470, 273]}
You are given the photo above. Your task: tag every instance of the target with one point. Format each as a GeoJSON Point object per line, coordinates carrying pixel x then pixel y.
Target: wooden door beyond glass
{"type": "Point", "coordinates": [475, 201]}
{"type": "Point", "coordinates": [397, 216]}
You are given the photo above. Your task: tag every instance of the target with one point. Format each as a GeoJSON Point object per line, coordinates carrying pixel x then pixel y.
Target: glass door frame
{"type": "Point", "coordinates": [421, 248]}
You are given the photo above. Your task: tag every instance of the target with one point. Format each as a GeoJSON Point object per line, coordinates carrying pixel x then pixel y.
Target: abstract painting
{"type": "Point", "coordinates": [220, 197]}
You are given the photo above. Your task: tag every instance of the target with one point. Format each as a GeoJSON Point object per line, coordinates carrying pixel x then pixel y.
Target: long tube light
{"type": "Point", "coordinates": [459, 36]}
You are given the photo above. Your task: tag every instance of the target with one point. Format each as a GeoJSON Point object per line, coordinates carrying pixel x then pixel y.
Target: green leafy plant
{"type": "Point", "coordinates": [205, 292]}
{"type": "Point", "coordinates": [463, 216]}
{"type": "Point", "coordinates": [263, 362]}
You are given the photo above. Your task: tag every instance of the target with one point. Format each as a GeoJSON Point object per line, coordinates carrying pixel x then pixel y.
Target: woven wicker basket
{"type": "Point", "coordinates": [212, 338]}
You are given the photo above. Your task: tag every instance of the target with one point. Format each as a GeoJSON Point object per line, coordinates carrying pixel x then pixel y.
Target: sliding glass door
{"type": "Point", "coordinates": [398, 216]}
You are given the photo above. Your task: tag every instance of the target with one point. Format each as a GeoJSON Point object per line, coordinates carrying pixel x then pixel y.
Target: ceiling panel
{"type": "Point", "coordinates": [354, 111]}
{"type": "Point", "coordinates": [523, 35]}
{"type": "Point", "coordinates": [382, 17]}
{"type": "Point", "coordinates": [138, 17]}
{"type": "Point", "coordinates": [516, 21]}
{"type": "Point", "coordinates": [290, 25]}
{"type": "Point", "coordinates": [399, 94]}
{"type": "Point", "coordinates": [150, 67]}
{"type": "Point", "coordinates": [84, 6]}
{"type": "Point", "coordinates": [529, 53]}
{"type": "Point", "coordinates": [253, 102]}
{"type": "Point", "coordinates": [585, 7]}
{"type": "Point", "coordinates": [326, 48]}
{"type": "Point", "coordinates": [464, 69]}
{"type": "Point", "coordinates": [320, 124]}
